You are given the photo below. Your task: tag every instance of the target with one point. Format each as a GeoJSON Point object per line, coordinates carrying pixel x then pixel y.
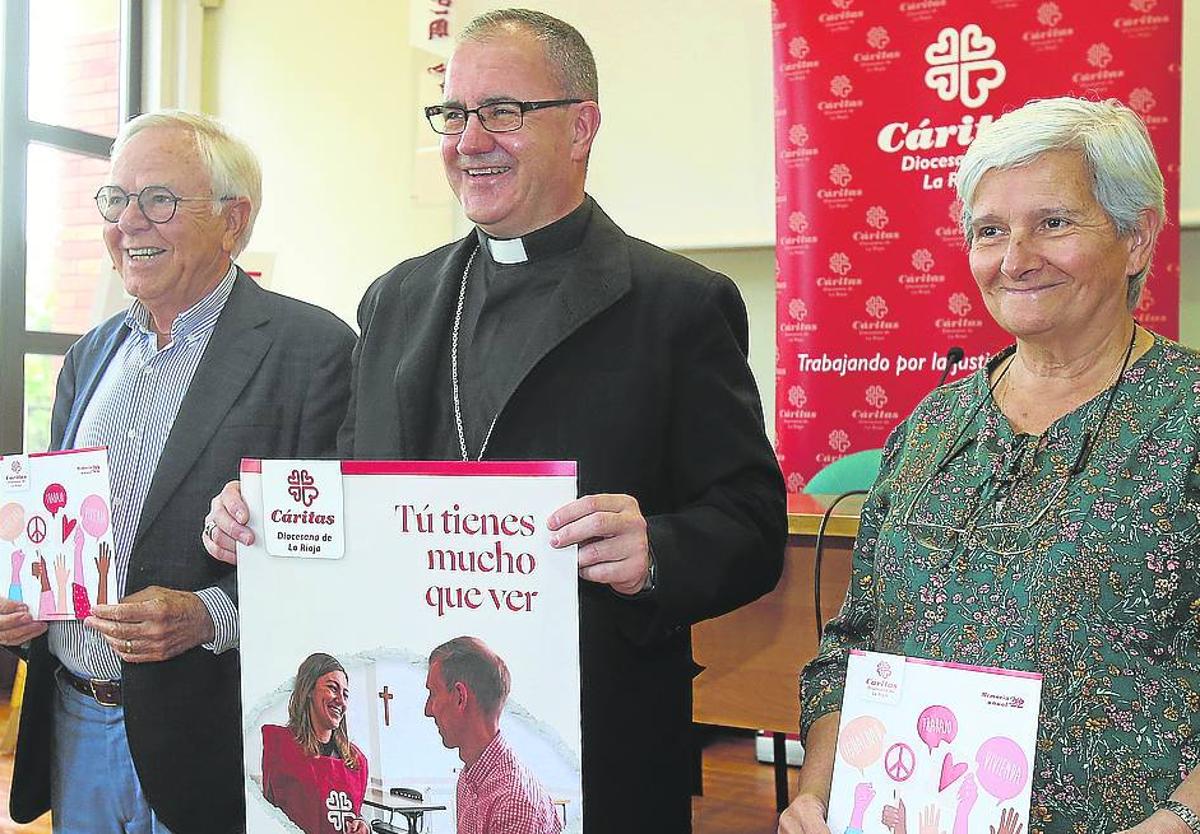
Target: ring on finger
{"type": "Point", "coordinates": [209, 529]}
{"type": "Point", "coordinates": [128, 646]}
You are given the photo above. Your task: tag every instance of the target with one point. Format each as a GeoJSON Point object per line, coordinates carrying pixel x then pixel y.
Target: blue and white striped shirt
{"type": "Point", "coordinates": [132, 412]}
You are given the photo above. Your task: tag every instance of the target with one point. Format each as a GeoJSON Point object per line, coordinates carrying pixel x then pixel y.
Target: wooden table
{"type": "Point", "coordinates": [752, 656]}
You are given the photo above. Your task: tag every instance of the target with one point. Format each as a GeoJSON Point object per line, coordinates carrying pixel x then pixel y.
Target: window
{"type": "Point", "coordinates": [71, 77]}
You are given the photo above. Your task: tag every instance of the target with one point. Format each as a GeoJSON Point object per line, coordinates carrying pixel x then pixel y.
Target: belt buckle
{"type": "Point", "coordinates": [104, 692]}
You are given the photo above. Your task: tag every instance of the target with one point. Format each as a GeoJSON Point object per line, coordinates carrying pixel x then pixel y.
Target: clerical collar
{"type": "Point", "coordinates": [560, 236]}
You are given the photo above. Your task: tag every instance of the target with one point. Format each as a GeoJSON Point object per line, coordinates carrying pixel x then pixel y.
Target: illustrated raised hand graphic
{"type": "Point", "coordinates": [79, 595]}
{"type": "Point", "coordinates": [931, 820]}
{"type": "Point", "coordinates": [62, 580]}
{"type": "Point", "coordinates": [968, 793]}
{"type": "Point", "coordinates": [895, 818]}
{"type": "Point", "coordinates": [1009, 823]}
{"type": "Point", "coordinates": [46, 598]}
{"type": "Point", "coordinates": [864, 795]}
{"type": "Point", "coordinates": [102, 563]}
{"type": "Point", "coordinates": [14, 585]}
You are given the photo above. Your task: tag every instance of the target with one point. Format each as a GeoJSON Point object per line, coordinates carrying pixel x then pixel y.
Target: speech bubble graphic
{"type": "Point", "coordinates": [12, 521]}
{"type": "Point", "coordinates": [1001, 767]}
{"type": "Point", "coordinates": [93, 513]}
{"type": "Point", "coordinates": [861, 741]}
{"type": "Point", "coordinates": [935, 725]}
{"type": "Point", "coordinates": [55, 498]}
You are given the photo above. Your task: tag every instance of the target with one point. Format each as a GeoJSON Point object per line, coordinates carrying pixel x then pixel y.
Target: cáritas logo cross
{"type": "Point", "coordinates": [962, 66]}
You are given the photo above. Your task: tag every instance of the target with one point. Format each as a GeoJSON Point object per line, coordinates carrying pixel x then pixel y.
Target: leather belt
{"type": "Point", "coordinates": [105, 693]}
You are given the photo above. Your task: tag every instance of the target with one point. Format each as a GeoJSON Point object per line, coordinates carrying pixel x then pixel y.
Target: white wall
{"type": "Point", "coordinates": [327, 95]}
{"type": "Point", "coordinates": [685, 156]}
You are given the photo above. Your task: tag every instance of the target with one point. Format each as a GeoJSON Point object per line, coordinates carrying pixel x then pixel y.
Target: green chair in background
{"type": "Point", "coordinates": [856, 471]}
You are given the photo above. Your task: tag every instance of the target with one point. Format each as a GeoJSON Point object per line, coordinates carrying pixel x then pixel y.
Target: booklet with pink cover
{"type": "Point", "coordinates": [54, 522]}
{"type": "Point", "coordinates": [934, 747]}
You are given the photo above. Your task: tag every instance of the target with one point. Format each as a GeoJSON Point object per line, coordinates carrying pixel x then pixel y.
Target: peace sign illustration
{"type": "Point", "coordinates": [899, 762]}
{"type": "Point", "coordinates": [36, 529]}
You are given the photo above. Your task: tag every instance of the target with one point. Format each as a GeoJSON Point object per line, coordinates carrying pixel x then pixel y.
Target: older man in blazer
{"type": "Point", "coordinates": [132, 718]}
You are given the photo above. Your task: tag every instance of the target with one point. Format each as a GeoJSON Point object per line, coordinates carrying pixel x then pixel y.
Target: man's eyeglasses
{"type": "Point", "coordinates": [157, 202]}
{"type": "Point", "coordinates": [497, 117]}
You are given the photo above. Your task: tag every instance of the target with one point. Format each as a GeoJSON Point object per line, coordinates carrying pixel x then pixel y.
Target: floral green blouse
{"type": "Point", "coordinates": [1005, 558]}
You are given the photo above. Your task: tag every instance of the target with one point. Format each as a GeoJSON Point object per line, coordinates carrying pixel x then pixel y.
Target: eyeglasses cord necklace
{"type": "Point", "coordinates": [1085, 450]}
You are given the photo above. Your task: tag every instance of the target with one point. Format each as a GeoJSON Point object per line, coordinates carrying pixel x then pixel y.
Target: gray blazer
{"type": "Point", "coordinates": [273, 382]}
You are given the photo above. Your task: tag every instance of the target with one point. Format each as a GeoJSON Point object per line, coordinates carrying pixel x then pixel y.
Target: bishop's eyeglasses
{"type": "Point", "coordinates": [157, 202]}
{"type": "Point", "coordinates": [495, 117]}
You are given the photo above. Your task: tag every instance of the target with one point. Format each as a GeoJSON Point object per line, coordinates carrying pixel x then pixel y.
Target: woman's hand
{"type": "Point", "coordinates": [1160, 822]}
{"type": "Point", "coordinates": [806, 815]}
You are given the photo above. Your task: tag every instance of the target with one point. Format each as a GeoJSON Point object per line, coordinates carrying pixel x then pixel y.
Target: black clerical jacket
{"type": "Point", "coordinates": [638, 372]}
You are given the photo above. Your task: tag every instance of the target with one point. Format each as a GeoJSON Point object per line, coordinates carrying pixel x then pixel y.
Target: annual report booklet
{"type": "Point", "coordinates": [56, 530]}
{"type": "Point", "coordinates": [358, 572]}
{"type": "Point", "coordinates": [930, 746]}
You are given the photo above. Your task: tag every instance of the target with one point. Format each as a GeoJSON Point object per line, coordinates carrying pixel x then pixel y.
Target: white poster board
{"type": "Point", "coordinates": [377, 563]}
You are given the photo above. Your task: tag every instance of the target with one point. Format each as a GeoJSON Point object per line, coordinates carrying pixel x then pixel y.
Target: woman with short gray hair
{"type": "Point", "coordinates": [1044, 513]}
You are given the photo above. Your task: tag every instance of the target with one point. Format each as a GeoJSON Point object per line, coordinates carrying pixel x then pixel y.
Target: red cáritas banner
{"type": "Point", "coordinates": [876, 101]}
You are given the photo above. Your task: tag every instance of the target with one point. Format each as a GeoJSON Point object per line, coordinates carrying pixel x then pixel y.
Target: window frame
{"type": "Point", "coordinates": [16, 341]}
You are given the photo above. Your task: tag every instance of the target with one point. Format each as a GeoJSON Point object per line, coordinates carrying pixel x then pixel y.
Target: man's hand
{"type": "Point", "coordinates": [806, 815]}
{"type": "Point", "coordinates": [17, 625]}
{"type": "Point", "coordinates": [611, 533]}
{"type": "Point", "coordinates": [153, 624]}
{"type": "Point", "coordinates": [225, 524]}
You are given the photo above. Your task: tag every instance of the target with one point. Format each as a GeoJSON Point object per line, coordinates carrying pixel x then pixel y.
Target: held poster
{"type": "Point", "coordinates": [373, 565]}
{"type": "Point", "coordinates": [876, 102]}
{"type": "Point", "coordinates": [931, 746]}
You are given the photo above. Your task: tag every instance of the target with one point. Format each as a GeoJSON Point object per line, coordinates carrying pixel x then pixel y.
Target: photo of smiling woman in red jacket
{"type": "Point", "coordinates": [311, 770]}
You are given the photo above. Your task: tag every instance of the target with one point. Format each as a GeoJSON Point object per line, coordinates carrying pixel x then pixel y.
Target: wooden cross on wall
{"type": "Point", "coordinates": [387, 715]}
